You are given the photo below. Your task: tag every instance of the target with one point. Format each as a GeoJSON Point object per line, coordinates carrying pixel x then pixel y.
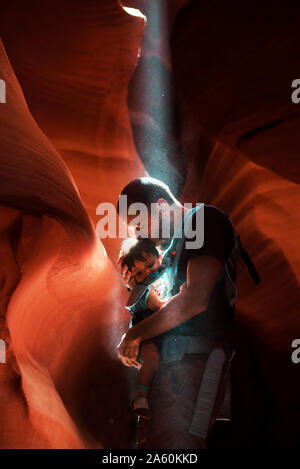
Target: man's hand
{"type": "Point", "coordinates": [125, 272]}
{"type": "Point", "coordinates": [128, 350]}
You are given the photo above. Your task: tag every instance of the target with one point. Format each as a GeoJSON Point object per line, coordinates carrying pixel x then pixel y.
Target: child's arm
{"type": "Point", "coordinates": [154, 302]}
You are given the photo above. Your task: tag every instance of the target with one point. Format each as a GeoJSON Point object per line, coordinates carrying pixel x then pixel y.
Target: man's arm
{"type": "Point", "coordinates": [202, 275]}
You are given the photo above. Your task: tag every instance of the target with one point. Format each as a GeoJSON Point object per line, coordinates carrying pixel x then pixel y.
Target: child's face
{"type": "Point", "coordinates": [142, 269]}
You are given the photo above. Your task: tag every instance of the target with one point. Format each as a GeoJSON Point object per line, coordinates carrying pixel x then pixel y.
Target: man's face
{"type": "Point", "coordinates": [152, 226]}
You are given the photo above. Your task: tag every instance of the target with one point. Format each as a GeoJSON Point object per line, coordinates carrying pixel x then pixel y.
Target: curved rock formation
{"type": "Point", "coordinates": [60, 328]}
{"type": "Point", "coordinates": [74, 68]}
{"type": "Point", "coordinates": [234, 65]}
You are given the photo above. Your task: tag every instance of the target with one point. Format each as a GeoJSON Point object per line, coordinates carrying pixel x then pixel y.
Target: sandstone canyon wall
{"type": "Point", "coordinates": [62, 299]}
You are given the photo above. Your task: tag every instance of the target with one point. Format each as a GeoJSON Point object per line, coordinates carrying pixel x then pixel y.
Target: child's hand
{"type": "Point", "coordinates": [125, 272]}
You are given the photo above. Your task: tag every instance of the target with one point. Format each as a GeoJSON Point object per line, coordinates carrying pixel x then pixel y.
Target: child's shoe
{"type": "Point", "coordinates": [140, 407]}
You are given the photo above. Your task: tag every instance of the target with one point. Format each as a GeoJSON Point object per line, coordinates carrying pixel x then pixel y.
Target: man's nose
{"type": "Point", "coordinates": [137, 230]}
{"type": "Point", "coordinates": [141, 234]}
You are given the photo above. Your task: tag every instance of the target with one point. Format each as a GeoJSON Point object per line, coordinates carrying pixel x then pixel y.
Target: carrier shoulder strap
{"type": "Point", "coordinates": [177, 246]}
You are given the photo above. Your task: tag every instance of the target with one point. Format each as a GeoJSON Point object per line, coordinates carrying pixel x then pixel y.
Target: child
{"type": "Point", "coordinates": [145, 264]}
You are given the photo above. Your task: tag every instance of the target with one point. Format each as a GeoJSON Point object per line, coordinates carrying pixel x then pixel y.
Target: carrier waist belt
{"type": "Point", "coordinates": [206, 399]}
{"type": "Point", "coordinates": [175, 346]}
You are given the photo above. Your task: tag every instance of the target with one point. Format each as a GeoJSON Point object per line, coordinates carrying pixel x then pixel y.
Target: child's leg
{"type": "Point", "coordinates": [150, 356]}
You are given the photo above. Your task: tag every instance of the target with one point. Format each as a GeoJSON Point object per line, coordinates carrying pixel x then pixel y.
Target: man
{"type": "Point", "coordinates": [199, 314]}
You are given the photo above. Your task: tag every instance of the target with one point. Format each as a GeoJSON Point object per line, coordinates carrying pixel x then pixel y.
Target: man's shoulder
{"type": "Point", "coordinates": [213, 211]}
{"type": "Point", "coordinates": [213, 217]}
{"type": "Point", "coordinates": [217, 232]}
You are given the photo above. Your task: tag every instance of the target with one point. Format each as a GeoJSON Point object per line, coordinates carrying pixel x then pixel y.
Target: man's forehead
{"type": "Point", "coordinates": [130, 218]}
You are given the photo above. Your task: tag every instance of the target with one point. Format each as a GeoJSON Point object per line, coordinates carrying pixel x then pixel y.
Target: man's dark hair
{"type": "Point", "coordinates": [135, 249]}
{"type": "Point", "coordinates": [147, 190]}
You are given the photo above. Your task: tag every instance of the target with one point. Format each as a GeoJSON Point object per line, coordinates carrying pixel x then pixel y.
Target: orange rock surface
{"type": "Point", "coordinates": [62, 298]}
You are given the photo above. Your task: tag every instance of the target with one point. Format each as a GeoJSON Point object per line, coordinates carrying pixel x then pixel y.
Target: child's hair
{"type": "Point", "coordinates": [134, 249]}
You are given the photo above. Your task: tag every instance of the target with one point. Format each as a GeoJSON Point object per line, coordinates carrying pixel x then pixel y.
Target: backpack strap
{"type": "Point", "coordinates": [251, 267]}
{"type": "Point", "coordinates": [176, 247]}
{"type": "Point", "coordinates": [241, 251]}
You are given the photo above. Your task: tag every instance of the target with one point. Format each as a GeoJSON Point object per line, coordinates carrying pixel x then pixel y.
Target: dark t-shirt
{"type": "Point", "coordinates": [215, 322]}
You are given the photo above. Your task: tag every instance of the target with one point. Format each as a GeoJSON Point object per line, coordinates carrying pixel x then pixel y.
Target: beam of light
{"type": "Point", "coordinates": [2, 92]}
{"type": "Point", "coordinates": [2, 351]}
{"type": "Point", "coordinates": [151, 101]}
{"type": "Point", "coordinates": [134, 12]}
